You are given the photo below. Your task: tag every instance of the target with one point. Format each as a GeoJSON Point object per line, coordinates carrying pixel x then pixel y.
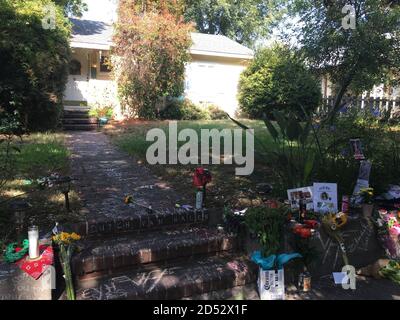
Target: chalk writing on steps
{"type": "Point", "coordinates": [355, 240]}
{"type": "Point", "coordinates": [116, 287]}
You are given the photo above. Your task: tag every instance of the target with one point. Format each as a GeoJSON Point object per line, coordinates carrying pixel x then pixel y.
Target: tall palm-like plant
{"type": "Point", "coordinates": [296, 147]}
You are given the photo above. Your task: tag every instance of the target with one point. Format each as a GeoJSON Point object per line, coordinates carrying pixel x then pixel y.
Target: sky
{"type": "Point", "coordinates": [101, 10]}
{"type": "Point", "coordinates": [106, 10]}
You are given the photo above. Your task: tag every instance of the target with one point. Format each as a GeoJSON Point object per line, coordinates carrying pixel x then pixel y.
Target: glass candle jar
{"type": "Point", "coordinates": [33, 237]}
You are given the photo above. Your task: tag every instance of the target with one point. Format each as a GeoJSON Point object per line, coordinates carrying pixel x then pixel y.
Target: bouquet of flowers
{"type": "Point", "coordinates": [392, 271]}
{"type": "Point", "coordinates": [66, 243]}
{"type": "Point", "coordinates": [388, 226]}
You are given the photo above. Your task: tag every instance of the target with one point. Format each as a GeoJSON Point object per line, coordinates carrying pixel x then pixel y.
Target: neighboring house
{"type": "Point", "coordinates": [212, 76]}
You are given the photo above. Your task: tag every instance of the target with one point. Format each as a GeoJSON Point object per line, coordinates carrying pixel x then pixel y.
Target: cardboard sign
{"type": "Point", "coordinates": [362, 182]}
{"type": "Point", "coordinates": [325, 198]}
{"type": "Point", "coordinates": [294, 198]}
{"type": "Point", "coordinates": [271, 284]}
{"type": "Point", "coordinates": [340, 277]}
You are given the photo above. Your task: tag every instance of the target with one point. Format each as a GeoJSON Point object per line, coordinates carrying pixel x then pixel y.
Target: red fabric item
{"type": "Point", "coordinates": [302, 231]}
{"type": "Point", "coordinates": [36, 268]}
{"type": "Point", "coordinates": [272, 204]}
{"type": "Point", "coordinates": [201, 177]}
{"type": "Point", "coordinates": [313, 224]}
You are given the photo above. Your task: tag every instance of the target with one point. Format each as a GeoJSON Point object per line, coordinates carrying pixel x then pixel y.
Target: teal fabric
{"type": "Point", "coordinates": [269, 262]}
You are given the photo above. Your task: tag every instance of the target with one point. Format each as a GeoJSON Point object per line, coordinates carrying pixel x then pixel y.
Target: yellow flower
{"type": "Point", "coordinates": [66, 238]}
{"type": "Point", "coordinates": [128, 199]}
{"type": "Point", "coordinates": [75, 236]}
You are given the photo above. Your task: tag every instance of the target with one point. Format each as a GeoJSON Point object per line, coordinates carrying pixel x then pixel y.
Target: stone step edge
{"type": "Point", "coordinates": [137, 223]}
{"type": "Point", "coordinates": [79, 128]}
{"type": "Point", "coordinates": [193, 278]}
{"type": "Point", "coordinates": [166, 249]}
{"type": "Point", "coordinates": [73, 121]}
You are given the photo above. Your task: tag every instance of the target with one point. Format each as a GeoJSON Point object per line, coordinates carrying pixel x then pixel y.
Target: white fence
{"type": "Point", "coordinates": [377, 106]}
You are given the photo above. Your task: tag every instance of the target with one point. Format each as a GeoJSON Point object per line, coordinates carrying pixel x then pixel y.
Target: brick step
{"type": "Point", "coordinates": [104, 257]}
{"type": "Point", "coordinates": [76, 114]}
{"type": "Point", "coordinates": [186, 279]}
{"type": "Point", "coordinates": [139, 221]}
{"type": "Point", "coordinates": [70, 104]}
{"type": "Point", "coordinates": [79, 121]}
{"type": "Point", "coordinates": [80, 127]}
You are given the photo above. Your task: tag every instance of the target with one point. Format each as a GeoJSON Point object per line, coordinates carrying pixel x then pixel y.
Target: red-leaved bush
{"type": "Point", "coordinates": [151, 49]}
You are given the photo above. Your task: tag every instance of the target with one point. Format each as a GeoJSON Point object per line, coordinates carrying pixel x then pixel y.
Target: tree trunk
{"type": "Point", "coordinates": [339, 97]}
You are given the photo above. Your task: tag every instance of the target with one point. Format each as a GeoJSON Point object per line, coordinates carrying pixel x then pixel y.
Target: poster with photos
{"type": "Point", "coordinates": [325, 198]}
{"type": "Point", "coordinates": [294, 196]}
{"type": "Point", "coordinates": [357, 149]}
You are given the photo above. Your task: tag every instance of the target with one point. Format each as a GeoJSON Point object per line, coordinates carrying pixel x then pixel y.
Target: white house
{"type": "Point", "coordinates": [212, 75]}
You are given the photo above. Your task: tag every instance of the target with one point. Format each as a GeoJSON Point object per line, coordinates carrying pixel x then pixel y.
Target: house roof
{"type": "Point", "coordinates": [91, 34]}
{"type": "Point", "coordinates": [218, 45]}
{"type": "Point", "coordinates": [98, 35]}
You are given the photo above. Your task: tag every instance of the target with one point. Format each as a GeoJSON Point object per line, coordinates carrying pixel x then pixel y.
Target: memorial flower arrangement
{"type": "Point", "coordinates": [392, 271]}
{"type": "Point", "coordinates": [388, 226]}
{"type": "Point", "coordinates": [66, 243]}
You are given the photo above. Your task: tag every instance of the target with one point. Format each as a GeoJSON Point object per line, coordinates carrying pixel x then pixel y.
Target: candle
{"type": "Point", "coordinates": [33, 236]}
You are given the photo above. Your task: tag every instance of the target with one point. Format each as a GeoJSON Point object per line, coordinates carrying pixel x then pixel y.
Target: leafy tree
{"type": "Point", "coordinates": [34, 62]}
{"type": "Point", "coordinates": [355, 58]}
{"type": "Point", "coordinates": [152, 45]}
{"type": "Point", "coordinates": [244, 21]}
{"type": "Point", "coordinates": [277, 79]}
{"type": "Point", "coordinates": [72, 7]}
{"type": "Point", "coordinates": [172, 7]}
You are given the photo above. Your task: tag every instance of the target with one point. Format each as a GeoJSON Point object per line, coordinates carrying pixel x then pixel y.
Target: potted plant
{"type": "Point", "coordinates": [267, 224]}
{"type": "Point", "coordinates": [367, 196]}
{"type": "Point", "coordinates": [103, 114]}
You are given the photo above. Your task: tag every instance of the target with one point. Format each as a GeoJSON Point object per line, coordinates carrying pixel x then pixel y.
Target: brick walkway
{"type": "Point", "coordinates": [105, 176]}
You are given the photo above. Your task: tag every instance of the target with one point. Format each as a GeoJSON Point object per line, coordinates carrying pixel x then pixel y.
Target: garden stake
{"type": "Point", "coordinates": [66, 196]}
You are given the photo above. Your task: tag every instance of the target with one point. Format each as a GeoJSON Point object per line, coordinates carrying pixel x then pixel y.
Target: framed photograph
{"type": "Point", "coordinates": [325, 198]}
{"type": "Point", "coordinates": [294, 196]}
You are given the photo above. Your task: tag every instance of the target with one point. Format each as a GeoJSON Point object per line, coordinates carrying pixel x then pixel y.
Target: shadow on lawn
{"type": "Point", "coordinates": [226, 189]}
{"type": "Point", "coordinates": [22, 200]}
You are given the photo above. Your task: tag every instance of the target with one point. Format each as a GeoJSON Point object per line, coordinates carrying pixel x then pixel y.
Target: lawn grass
{"type": "Point", "coordinates": [39, 155]}
{"type": "Point", "coordinates": [226, 189]}
{"type": "Point", "coordinates": [132, 137]}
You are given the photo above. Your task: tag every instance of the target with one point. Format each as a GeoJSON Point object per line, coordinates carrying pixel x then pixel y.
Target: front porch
{"type": "Point", "coordinates": [89, 80]}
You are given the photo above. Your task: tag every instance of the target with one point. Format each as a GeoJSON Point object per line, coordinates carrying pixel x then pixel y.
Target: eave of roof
{"type": "Point", "coordinates": [97, 35]}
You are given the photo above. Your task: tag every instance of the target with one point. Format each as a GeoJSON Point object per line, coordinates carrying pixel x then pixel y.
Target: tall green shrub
{"type": "Point", "coordinates": [277, 79]}
{"type": "Point", "coordinates": [34, 62]}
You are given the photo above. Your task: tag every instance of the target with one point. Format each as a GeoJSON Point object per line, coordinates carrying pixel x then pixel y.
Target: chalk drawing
{"type": "Point", "coordinates": [355, 240]}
